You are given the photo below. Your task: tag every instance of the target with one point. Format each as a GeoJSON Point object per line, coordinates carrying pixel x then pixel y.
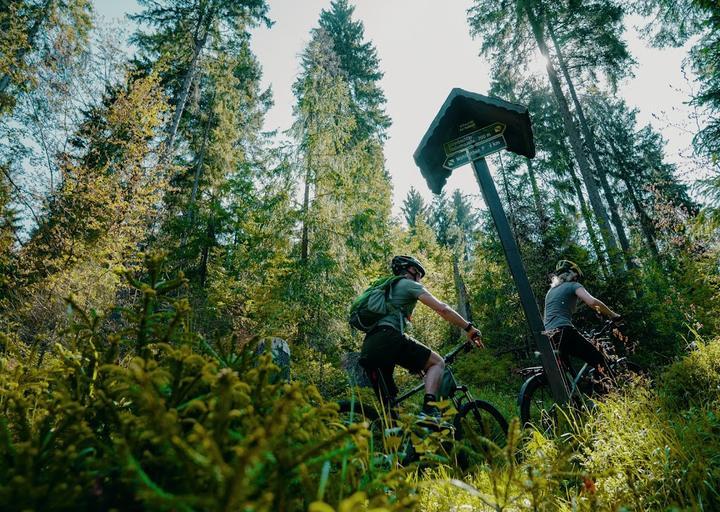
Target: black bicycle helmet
{"type": "Point", "coordinates": [567, 265]}
{"type": "Point", "coordinates": [400, 264]}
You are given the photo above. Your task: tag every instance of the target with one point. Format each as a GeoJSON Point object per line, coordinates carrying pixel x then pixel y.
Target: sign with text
{"type": "Point", "coordinates": [483, 149]}
{"type": "Point", "coordinates": [473, 138]}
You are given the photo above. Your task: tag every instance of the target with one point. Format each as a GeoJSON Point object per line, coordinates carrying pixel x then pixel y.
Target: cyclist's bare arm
{"type": "Point", "coordinates": [451, 316]}
{"type": "Point", "coordinates": [595, 303]}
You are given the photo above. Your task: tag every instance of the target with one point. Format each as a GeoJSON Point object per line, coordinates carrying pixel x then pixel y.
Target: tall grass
{"type": "Point", "coordinates": [647, 447]}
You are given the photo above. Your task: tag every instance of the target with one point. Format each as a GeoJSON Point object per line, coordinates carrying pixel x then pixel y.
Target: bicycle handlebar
{"type": "Point", "coordinates": [450, 356]}
{"type": "Point", "coordinates": [607, 324]}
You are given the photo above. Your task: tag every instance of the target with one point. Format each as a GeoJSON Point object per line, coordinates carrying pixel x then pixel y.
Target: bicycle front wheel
{"type": "Point", "coordinates": [479, 419]}
{"type": "Point", "coordinates": [537, 405]}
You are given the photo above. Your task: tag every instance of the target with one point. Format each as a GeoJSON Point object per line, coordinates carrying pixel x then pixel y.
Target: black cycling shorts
{"type": "Point", "coordinates": [385, 347]}
{"type": "Point", "coordinates": [569, 342]}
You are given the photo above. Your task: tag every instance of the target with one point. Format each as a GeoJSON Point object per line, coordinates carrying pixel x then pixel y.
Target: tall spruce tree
{"type": "Point", "coordinates": [223, 130]}
{"type": "Point", "coordinates": [345, 198]}
{"type": "Point", "coordinates": [359, 64]}
{"type": "Point", "coordinates": [637, 157]}
{"type": "Point", "coordinates": [551, 177]}
{"type": "Point", "coordinates": [590, 34]}
{"type": "Point", "coordinates": [413, 208]}
{"type": "Point", "coordinates": [182, 31]}
{"type": "Point", "coordinates": [507, 33]}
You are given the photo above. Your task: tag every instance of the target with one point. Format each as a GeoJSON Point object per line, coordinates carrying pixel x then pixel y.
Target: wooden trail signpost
{"type": "Point", "coordinates": [469, 127]}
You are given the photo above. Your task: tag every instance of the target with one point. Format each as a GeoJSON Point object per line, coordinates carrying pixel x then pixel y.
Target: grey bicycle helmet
{"type": "Point", "coordinates": [400, 264]}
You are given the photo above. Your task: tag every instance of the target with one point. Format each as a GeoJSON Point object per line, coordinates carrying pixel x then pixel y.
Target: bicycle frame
{"type": "Point", "coordinates": [449, 358]}
{"type": "Point", "coordinates": [575, 378]}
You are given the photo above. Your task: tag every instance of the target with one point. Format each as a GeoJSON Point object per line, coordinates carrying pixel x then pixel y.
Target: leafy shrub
{"type": "Point", "coordinates": [694, 380]}
{"type": "Point", "coordinates": [481, 368]}
{"type": "Point", "coordinates": [152, 417]}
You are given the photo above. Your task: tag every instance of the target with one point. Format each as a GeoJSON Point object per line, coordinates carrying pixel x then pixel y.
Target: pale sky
{"type": "Point", "coordinates": [425, 50]}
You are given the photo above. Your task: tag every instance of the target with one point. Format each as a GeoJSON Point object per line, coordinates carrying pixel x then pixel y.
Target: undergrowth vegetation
{"type": "Point", "coordinates": [650, 447]}
{"type": "Point", "coordinates": [153, 417]}
{"type": "Point", "coordinates": [132, 410]}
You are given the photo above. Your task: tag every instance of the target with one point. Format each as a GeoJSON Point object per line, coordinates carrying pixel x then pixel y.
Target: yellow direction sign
{"type": "Point", "coordinates": [473, 138]}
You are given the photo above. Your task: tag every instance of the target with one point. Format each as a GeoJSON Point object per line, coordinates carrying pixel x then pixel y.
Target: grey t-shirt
{"type": "Point", "coordinates": [403, 296]}
{"type": "Point", "coordinates": [560, 304]}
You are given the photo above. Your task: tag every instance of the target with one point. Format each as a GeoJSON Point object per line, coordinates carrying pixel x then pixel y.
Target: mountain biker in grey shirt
{"type": "Point", "coordinates": [560, 302]}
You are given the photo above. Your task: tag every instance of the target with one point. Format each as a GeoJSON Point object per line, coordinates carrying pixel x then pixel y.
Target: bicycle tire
{"type": "Point", "coordinates": [537, 405]}
{"type": "Point", "coordinates": [487, 422]}
{"type": "Point", "coordinates": [356, 411]}
{"type": "Point", "coordinates": [363, 411]}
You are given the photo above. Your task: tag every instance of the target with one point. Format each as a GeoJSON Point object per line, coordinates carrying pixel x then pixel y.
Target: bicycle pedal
{"type": "Point", "coordinates": [432, 422]}
{"type": "Point", "coordinates": [393, 431]}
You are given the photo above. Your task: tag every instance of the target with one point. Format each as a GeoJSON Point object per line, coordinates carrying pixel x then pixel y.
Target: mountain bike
{"type": "Point", "coordinates": [536, 402]}
{"type": "Point", "coordinates": [471, 418]}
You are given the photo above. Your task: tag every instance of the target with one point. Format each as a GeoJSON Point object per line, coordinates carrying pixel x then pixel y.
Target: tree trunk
{"type": "Point", "coordinates": [463, 303]}
{"type": "Point", "coordinates": [305, 242]}
{"type": "Point", "coordinates": [539, 208]}
{"type": "Point", "coordinates": [209, 242]}
{"type": "Point", "coordinates": [543, 218]}
{"type": "Point", "coordinates": [599, 168]}
{"type": "Point", "coordinates": [585, 211]}
{"type": "Point", "coordinates": [182, 99]}
{"type": "Point", "coordinates": [462, 295]}
{"type": "Point", "coordinates": [646, 224]}
{"type": "Point", "coordinates": [199, 166]}
{"type": "Point", "coordinates": [576, 144]}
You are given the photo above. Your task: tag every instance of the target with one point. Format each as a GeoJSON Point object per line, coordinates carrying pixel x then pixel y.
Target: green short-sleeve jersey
{"type": "Point", "coordinates": [560, 303]}
{"type": "Point", "coordinates": [404, 296]}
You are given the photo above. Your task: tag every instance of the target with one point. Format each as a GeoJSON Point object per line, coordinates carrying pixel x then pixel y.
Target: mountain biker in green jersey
{"type": "Point", "coordinates": [560, 301]}
{"type": "Point", "coordinates": [387, 345]}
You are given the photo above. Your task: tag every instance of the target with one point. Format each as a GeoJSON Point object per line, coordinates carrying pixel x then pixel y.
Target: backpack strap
{"type": "Point", "coordinates": [393, 308]}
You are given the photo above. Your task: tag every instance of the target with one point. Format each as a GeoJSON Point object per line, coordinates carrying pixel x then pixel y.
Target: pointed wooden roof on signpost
{"type": "Point", "coordinates": [463, 115]}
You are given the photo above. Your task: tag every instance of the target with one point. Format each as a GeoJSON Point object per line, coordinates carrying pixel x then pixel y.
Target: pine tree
{"type": "Point", "coordinates": [345, 212]}
{"type": "Point", "coordinates": [592, 33]}
{"type": "Point", "coordinates": [413, 208]}
{"type": "Point", "coordinates": [183, 31]}
{"type": "Point", "coordinates": [507, 33]}
{"type": "Point", "coordinates": [359, 65]}
{"type": "Point", "coordinates": [224, 129]}
{"type": "Point", "coordinates": [551, 178]}
{"type": "Point", "coordinates": [638, 163]}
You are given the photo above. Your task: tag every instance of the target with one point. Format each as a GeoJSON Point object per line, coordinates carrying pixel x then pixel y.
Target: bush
{"type": "Point", "coordinates": [152, 417]}
{"type": "Point", "coordinates": [694, 380]}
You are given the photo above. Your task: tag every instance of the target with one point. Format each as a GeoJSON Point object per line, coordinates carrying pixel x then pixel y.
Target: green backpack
{"type": "Point", "coordinates": [373, 304]}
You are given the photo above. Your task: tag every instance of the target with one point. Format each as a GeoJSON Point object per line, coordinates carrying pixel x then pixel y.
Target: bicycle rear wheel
{"type": "Point", "coordinates": [479, 423]}
{"type": "Point", "coordinates": [537, 405]}
{"type": "Point", "coordinates": [355, 411]}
